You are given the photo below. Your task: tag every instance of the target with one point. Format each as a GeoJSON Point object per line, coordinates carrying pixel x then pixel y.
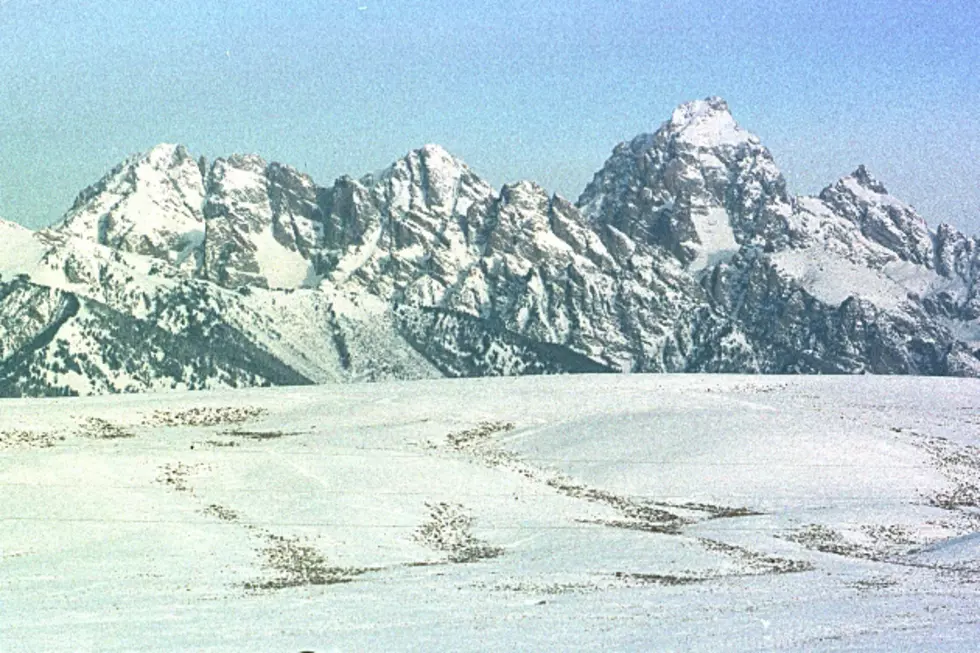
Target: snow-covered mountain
{"type": "Point", "coordinates": [685, 253]}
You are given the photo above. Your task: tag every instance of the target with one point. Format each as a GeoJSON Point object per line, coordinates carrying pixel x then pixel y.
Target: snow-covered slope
{"type": "Point", "coordinates": [150, 204]}
{"type": "Point", "coordinates": [641, 512]}
{"type": "Point", "coordinates": [685, 253]}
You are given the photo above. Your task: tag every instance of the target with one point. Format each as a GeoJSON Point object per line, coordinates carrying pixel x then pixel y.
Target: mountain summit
{"type": "Point", "coordinates": [684, 253]}
{"type": "Point", "coordinates": [706, 123]}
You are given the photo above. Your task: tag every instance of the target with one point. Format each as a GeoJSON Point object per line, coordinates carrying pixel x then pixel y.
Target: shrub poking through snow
{"type": "Point", "coordinates": [205, 416]}
{"type": "Point", "coordinates": [100, 429]}
{"type": "Point", "coordinates": [295, 564]}
{"type": "Point", "coordinates": [26, 439]}
{"type": "Point", "coordinates": [448, 529]}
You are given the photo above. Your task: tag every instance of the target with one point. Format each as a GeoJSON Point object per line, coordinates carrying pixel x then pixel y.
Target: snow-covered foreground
{"type": "Point", "coordinates": [557, 513]}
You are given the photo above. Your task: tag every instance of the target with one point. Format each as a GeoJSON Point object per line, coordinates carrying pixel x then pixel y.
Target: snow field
{"type": "Point", "coordinates": [538, 513]}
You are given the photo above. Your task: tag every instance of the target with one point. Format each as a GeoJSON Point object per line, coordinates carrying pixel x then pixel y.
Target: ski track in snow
{"type": "Point", "coordinates": [551, 513]}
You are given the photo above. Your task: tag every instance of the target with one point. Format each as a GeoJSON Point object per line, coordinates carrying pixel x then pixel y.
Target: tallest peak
{"type": "Point", "coordinates": [698, 110]}
{"type": "Point", "coordinates": [707, 106]}
{"type": "Point", "coordinates": [707, 122]}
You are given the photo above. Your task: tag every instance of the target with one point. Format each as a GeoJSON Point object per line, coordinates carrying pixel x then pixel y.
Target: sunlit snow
{"type": "Point", "coordinates": [718, 242]}
{"type": "Point", "coordinates": [548, 513]}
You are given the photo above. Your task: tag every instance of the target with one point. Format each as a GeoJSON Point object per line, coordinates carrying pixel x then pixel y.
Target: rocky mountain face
{"type": "Point", "coordinates": [684, 254]}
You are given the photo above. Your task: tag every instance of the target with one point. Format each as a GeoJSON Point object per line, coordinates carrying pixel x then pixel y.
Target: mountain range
{"type": "Point", "coordinates": [685, 253]}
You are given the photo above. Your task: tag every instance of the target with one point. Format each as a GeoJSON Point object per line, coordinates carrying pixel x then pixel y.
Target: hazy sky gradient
{"type": "Point", "coordinates": [538, 90]}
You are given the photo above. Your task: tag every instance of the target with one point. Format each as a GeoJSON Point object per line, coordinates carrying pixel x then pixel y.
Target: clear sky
{"type": "Point", "coordinates": [536, 89]}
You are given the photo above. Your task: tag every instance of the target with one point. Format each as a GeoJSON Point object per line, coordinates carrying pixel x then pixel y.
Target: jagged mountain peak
{"type": "Point", "coordinates": [863, 177]}
{"type": "Point", "coordinates": [431, 157]}
{"type": "Point", "coordinates": [434, 151]}
{"type": "Point", "coordinates": [430, 180]}
{"type": "Point", "coordinates": [884, 219]}
{"type": "Point", "coordinates": [146, 205]}
{"type": "Point", "coordinates": [699, 187]}
{"type": "Point", "coordinates": [529, 195]}
{"type": "Point", "coordinates": [706, 123]}
{"type": "Point", "coordinates": [251, 162]}
{"type": "Point", "coordinates": [522, 188]}
{"type": "Point", "coordinates": [862, 188]}
{"type": "Point", "coordinates": [166, 153]}
{"type": "Point", "coordinates": [162, 158]}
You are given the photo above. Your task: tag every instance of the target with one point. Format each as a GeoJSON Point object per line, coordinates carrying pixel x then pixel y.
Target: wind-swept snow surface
{"type": "Point", "coordinates": [537, 513]}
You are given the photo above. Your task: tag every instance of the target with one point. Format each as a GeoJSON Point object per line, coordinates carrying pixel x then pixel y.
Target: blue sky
{"type": "Point", "coordinates": [539, 90]}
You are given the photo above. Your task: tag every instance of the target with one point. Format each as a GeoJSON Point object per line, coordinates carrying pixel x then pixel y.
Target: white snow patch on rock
{"type": "Point", "coordinates": [282, 267]}
{"type": "Point", "coordinates": [718, 242]}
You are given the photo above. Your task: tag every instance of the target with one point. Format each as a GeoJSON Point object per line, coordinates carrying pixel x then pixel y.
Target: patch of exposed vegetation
{"type": "Point", "coordinates": [632, 578]}
{"type": "Point", "coordinates": [258, 435]}
{"type": "Point", "coordinates": [28, 440]}
{"type": "Point", "coordinates": [878, 542]}
{"type": "Point", "coordinates": [757, 563]}
{"type": "Point", "coordinates": [221, 512]}
{"type": "Point", "coordinates": [479, 443]}
{"type": "Point", "coordinates": [872, 584]}
{"type": "Point", "coordinates": [205, 416]}
{"type": "Point", "coordinates": [295, 563]}
{"type": "Point", "coordinates": [548, 589]}
{"type": "Point", "coordinates": [449, 529]}
{"type": "Point", "coordinates": [175, 475]}
{"type": "Point", "coordinates": [963, 494]}
{"type": "Point", "coordinates": [222, 443]}
{"type": "Point", "coordinates": [826, 540]}
{"type": "Point", "coordinates": [637, 515]}
{"type": "Point", "coordinates": [100, 429]}
{"type": "Point", "coordinates": [892, 535]}
{"type": "Point", "coordinates": [958, 523]}
{"type": "Point", "coordinates": [755, 388]}
{"type": "Point", "coordinates": [478, 434]}
{"type": "Point", "coordinates": [715, 511]}
{"type": "Point", "coordinates": [645, 526]}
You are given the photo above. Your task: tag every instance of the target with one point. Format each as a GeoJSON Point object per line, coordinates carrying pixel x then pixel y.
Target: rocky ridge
{"type": "Point", "coordinates": [684, 254]}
